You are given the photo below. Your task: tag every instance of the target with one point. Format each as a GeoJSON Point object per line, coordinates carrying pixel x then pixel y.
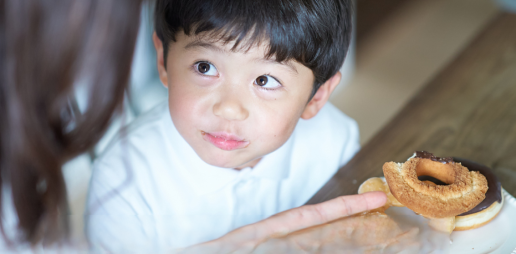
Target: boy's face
{"type": "Point", "coordinates": [234, 107]}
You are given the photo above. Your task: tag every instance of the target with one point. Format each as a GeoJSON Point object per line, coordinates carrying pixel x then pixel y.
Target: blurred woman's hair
{"type": "Point", "coordinates": [48, 49]}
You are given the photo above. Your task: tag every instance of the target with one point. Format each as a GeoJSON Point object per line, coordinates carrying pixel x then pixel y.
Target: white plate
{"type": "Point", "coordinates": [496, 237]}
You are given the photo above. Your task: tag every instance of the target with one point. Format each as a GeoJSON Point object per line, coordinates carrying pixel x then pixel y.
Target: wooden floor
{"type": "Point", "coordinates": [404, 53]}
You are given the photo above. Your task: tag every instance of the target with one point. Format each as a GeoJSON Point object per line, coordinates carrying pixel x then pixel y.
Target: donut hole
{"type": "Point", "coordinates": [431, 180]}
{"type": "Point", "coordinates": [436, 172]}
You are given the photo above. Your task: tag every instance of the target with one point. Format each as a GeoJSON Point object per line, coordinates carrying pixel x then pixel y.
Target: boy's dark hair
{"type": "Point", "coordinates": [316, 33]}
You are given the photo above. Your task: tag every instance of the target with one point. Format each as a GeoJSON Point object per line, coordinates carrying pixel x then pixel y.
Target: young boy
{"type": "Point", "coordinates": [245, 134]}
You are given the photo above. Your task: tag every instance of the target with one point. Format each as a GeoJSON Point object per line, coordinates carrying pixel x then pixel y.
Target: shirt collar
{"type": "Point", "coordinates": [276, 165]}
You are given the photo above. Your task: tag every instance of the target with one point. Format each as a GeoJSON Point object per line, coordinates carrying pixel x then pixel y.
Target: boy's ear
{"type": "Point", "coordinates": [162, 71]}
{"type": "Point", "coordinates": [321, 96]}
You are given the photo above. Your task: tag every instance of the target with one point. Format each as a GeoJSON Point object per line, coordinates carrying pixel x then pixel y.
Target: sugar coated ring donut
{"type": "Point", "coordinates": [464, 190]}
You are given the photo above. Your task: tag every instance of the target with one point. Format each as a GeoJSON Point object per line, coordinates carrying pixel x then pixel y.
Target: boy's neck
{"type": "Point", "coordinates": [250, 164]}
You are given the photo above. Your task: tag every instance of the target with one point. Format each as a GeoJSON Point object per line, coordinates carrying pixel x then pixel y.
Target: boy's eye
{"type": "Point", "coordinates": [206, 69]}
{"type": "Point", "coordinates": [266, 81]}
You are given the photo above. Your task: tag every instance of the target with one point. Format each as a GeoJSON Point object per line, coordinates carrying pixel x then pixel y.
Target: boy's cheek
{"type": "Point", "coordinates": [280, 117]}
{"type": "Point", "coordinates": [274, 130]}
{"type": "Point", "coordinates": [182, 99]}
{"type": "Point", "coordinates": [184, 115]}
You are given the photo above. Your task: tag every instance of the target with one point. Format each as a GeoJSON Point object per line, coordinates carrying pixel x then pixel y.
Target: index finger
{"type": "Point", "coordinates": [311, 215]}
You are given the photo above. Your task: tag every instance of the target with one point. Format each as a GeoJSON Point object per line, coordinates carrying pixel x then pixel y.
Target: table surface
{"type": "Point", "coordinates": [468, 110]}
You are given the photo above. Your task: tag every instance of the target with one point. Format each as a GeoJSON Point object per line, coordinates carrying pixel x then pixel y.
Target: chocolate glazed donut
{"type": "Point", "coordinates": [489, 208]}
{"type": "Point", "coordinates": [494, 191]}
{"type": "Point", "coordinates": [484, 212]}
{"type": "Point", "coordinates": [493, 194]}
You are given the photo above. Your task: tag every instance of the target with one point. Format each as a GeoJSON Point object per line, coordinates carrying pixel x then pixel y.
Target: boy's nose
{"type": "Point", "coordinates": [230, 109]}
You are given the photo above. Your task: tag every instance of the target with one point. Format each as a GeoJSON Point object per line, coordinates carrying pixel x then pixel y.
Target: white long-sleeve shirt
{"type": "Point", "coordinates": [150, 192]}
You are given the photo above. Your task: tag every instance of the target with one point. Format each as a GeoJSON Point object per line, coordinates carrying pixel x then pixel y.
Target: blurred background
{"type": "Point", "coordinates": [399, 45]}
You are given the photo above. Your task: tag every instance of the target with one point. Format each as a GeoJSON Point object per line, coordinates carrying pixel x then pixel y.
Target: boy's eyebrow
{"type": "Point", "coordinates": [287, 64]}
{"type": "Point", "coordinates": [202, 44]}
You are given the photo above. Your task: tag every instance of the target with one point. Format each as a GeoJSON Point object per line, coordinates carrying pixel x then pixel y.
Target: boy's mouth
{"type": "Point", "coordinates": [224, 141]}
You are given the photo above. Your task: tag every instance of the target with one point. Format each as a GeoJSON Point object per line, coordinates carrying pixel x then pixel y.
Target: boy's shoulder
{"type": "Point", "coordinates": [148, 119]}
{"type": "Point", "coordinates": [144, 128]}
{"type": "Point", "coordinates": [320, 146]}
{"type": "Point", "coordinates": [330, 135]}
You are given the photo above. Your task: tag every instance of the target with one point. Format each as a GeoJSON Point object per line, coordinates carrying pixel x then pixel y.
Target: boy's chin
{"type": "Point", "coordinates": [226, 161]}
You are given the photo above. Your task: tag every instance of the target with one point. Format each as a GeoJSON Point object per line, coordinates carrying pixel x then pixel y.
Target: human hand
{"type": "Point", "coordinates": [247, 238]}
{"type": "Point", "coordinates": [369, 232]}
